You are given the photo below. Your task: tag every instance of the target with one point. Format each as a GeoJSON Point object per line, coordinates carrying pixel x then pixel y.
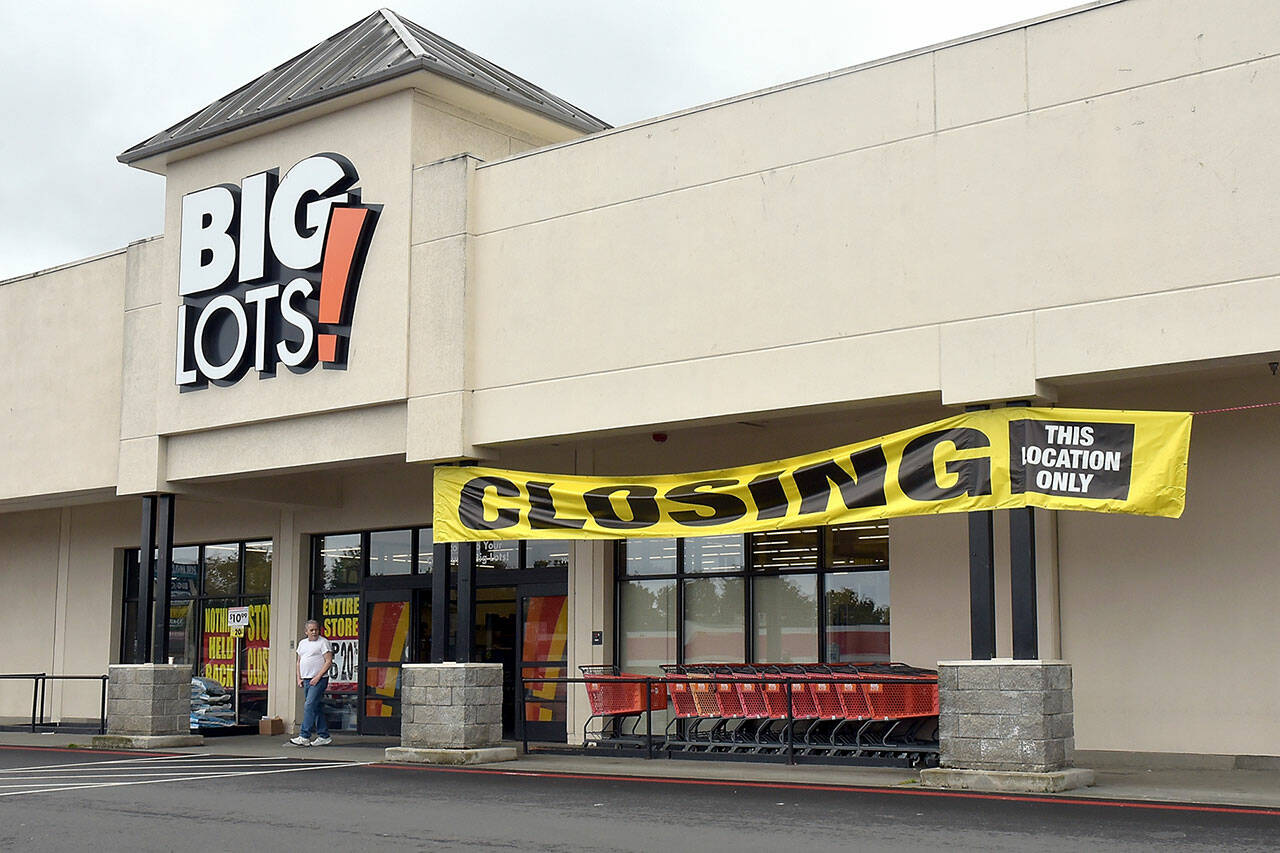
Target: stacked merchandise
{"type": "Point", "coordinates": [211, 706]}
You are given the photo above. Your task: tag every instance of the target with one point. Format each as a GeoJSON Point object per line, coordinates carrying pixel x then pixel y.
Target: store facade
{"type": "Point", "coordinates": [431, 266]}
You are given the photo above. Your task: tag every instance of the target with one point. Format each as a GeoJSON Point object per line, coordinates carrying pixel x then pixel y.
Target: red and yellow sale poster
{"type": "Point", "coordinates": [340, 624]}
{"type": "Point", "coordinates": [217, 648]}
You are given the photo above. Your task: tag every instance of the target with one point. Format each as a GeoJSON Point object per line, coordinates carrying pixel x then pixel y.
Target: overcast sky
{"type": "Point", "coordinates": [85, 80]}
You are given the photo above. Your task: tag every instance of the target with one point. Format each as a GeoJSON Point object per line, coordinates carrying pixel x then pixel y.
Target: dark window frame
{"type": "Point", "coordinates": [821, 568]}
{"type": "Point", "coordinates": [241, 598]}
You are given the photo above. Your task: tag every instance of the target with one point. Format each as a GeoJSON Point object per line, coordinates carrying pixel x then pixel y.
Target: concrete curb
{"type": "Point", "coordinates": [1007, 781]}
{"type": "Point", "coordinates": [479, 755]}
{"type": "Point", "coordinates": [145, 741]}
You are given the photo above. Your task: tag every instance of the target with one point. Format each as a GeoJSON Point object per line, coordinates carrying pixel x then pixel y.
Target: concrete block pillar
{"type": "Point", "coordinates": [451, 713]}
{"type": "Point", "coordinates": [1006, 725]}
{"type": "Point", "coordinates": [148, 706]}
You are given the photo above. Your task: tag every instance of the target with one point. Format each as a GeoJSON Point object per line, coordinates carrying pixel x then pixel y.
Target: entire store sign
{"type": "Point", "coordinates": [1070, 459]}
{"type": "Point", "coordinates": [268, 271]}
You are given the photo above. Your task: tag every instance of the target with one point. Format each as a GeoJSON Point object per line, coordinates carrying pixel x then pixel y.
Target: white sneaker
{"type": "Point", "coordinates": [322, 741]}
{"type": "Point", "coordinates": [299, 741]}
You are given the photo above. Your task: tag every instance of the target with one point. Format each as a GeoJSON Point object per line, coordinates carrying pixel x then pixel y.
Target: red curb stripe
{"type": "Point", "coordinates": [859, 789]}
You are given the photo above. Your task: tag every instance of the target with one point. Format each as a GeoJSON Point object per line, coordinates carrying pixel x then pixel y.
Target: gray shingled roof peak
{"type": "Point", "coordinates": [380, 47]}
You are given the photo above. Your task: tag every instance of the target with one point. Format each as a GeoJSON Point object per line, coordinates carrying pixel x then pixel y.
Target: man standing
{"type": "Point", "coordinates": [315, 656]}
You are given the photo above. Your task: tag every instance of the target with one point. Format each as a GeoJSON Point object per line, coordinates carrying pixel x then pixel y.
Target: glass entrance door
{"type": "Point", "coordinates": [496, 642]}
{"type": "Point", "coordinates": [386, 616]}
{"type": "Point", "coordinates": [544, 635]}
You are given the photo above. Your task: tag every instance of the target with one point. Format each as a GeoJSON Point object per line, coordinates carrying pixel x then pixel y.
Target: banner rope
{"type": "Point", "coordinates": [1237, 408]}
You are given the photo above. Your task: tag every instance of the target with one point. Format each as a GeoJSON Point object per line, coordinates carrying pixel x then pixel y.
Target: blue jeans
{"type": "Point", "coordinates": [313, 721]}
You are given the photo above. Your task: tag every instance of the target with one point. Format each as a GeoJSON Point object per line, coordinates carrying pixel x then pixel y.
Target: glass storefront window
{"type": "Point", "coordinates": [184, 591]}
{"type": "Point", "coordinates": [339, 565]}
{"type": "Point", "coordinates": [257, 568]}
{"type": "Point", "coordinates": [426, 550]}
{"type": "Point", "coordinates": [221, 569]}
{"type": "Point", "coordinates": [129, 609]}
{"type": "Point", "coordinates": [786, 618]}
{"type": "Point", "coordinates": [390, 552]}
{"type": "Point", "coordinates": [714, 554]}
{"type": "Point", "coordinates": [858, 616]}
{"type": "Point", "coordinates": [713, 617]}
{"type": "Point", "coordinates": [497, 555]}
{"type": "Point", "coordinates": [649, 557]}
{"type": "Point", "coordinates": [255, 660]}
{"type": "Point", "coordinates": [339, 617]}
{"type": "Point", "coordinates": [647, 634]}
{"type": "Point", "coordinates": [780, 550]}
{"type": "Point", "coordinates": [544, 554]}
{"type": "Point", "coordinates": [796, 577]}
{"type": "Point", "coordinates": [206, 580]}
{"type": "Point", "coordinates": [129, 633]}
{"type": "Point", "coordinates": [217, 655]}
{"type": "Point", "coordinates": [862, 545]}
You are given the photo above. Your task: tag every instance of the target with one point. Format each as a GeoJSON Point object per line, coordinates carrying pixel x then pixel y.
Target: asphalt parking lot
{"type": "Point", "coordinates": [72, 799]}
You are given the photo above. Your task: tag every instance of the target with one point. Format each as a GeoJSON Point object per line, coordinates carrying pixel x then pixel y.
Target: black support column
{"type": "Point", "coordinates": [982, 586]}
{"type": "Point", "coordinates": [982, 581]}
{"type": "Point", "coordinates": [164, 578]}
{"type": "Point", "coordinates": [466, 643]}
{"type": "Point", "coordinates": [146, 571]}
{"type": "Point", "coordinates": [1022, 579]}
{"type": "Point", "coordinates": [1022, 583]}
{"type": "Point", "coordinates": [440, 572]}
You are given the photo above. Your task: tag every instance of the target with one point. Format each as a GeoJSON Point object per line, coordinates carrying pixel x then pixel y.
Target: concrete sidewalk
{"type": "Point", "coordinates": [1252, 788]}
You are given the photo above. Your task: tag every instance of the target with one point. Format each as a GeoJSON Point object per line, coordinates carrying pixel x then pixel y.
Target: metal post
{"type": "Point", "coordinates": [466, 642]}
{"type": "Point", "coordinates": [791, 726]}
{"type": "Point", "coordinates": [1022, 583]}
{"type": "Point", "coordinates": [102, 715]}
{"type": "Point", "coordinates": [146, 570]}
{"type": "Point", "coordinates": [982, 580]}
{"type": "Point", "coordinates": [1022, 577]}
{"type": "Point", "coordinates": [522, 731]}
{"type": "Point", "coordinates": [648, 718]}
{"type": "Point", "coordinates": [164, 578]}
{"type": "Point", "coordinates": [982, 586]}
{"type": "Point", "coordinates": [439, 601]}
{"type": "Point", "coordinates": [235, 696]}
{"type": "Point", "coordinates": [35, 696]}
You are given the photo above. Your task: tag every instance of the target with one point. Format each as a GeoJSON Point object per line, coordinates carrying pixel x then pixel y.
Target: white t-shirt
{"type": "Point", "coordinates": [311, 656]}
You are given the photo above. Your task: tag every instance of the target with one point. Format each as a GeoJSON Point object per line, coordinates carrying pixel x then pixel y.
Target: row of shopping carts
{"type": "Point", "coordinates": [869, 711]}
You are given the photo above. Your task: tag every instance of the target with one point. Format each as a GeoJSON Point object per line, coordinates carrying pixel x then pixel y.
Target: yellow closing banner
{"type": "Point", "coordinates": [1072, 459]}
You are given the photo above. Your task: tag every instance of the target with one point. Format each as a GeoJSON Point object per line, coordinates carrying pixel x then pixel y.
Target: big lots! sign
{"type": "Point", "coordinates": [268, 271]}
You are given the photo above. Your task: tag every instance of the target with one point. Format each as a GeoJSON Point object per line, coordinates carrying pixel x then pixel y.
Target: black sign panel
{"type": "Point", "coordinates": [1071, 458]}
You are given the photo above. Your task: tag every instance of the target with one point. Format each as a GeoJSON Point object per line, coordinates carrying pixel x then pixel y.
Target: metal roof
{"type": "Point", "coordinates": [378, 48]}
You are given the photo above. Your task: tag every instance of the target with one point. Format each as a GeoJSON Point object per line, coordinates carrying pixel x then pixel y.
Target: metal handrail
{"type": "Point", "coordinates": [39, 689]}
{"type": "Point", "coordinates": [650, 680]}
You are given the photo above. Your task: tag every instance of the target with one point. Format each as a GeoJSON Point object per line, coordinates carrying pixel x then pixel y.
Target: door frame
{"type": "Point", "coordinates": [551, 732]}
{"type": "Point", "coordinates": [365, 724]}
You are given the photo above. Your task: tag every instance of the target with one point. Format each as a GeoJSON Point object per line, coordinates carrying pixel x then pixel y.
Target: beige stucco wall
{"type": "Point", "coordinates": [908, 220]}
{"type": "Point", "coordinates": [61, 344]}
{"type": "Point", "coordinates": [29, 590]}
{"type": "Point", "coordinates": [1170, 625]}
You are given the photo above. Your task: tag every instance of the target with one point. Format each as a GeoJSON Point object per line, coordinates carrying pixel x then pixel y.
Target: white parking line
{"type": "Point", "coordinates": [53, 778]}
{"type": "Point", "coordinates": [165, 768]}
{"type": "Point", "coordinates": [113, 761]}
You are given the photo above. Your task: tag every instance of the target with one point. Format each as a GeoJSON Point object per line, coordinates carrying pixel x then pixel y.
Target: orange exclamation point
{"type": "Point", "coordinates": [345, 225]}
